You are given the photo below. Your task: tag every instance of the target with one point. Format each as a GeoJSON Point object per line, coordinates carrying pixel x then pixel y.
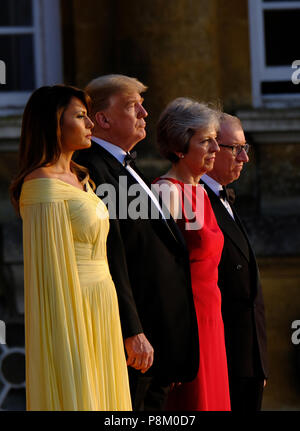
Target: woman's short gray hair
{"type": "Point", "coordinates": [179, 122]}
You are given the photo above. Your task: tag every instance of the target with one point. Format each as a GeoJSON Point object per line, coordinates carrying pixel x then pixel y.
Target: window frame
{"type": "Point", "coordinates": [46, 30]}
{"type": "Point", "coordinates": [259, 70]}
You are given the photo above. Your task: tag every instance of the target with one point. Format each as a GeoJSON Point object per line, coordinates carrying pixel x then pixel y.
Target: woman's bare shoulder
{"type": "Point", "coordinates": [170, 194]}
{"type": "Point", "coordinates": [163, 180]}
{"type": "Point", "coordinates": [38, 173]}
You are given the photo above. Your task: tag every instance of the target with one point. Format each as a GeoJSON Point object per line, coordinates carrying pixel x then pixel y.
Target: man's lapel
{"type": "Point", "coordinates": [227, 224]}
{"type": "Point", "coordinates": [114, 165]}
{"type": "Point", "coordinates": [117, 170]}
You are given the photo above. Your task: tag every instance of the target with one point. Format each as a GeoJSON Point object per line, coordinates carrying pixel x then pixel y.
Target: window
{"type": "Point", "coordinates": [30, 47]}
{"type": "Point", "coordinates": [274, 45]}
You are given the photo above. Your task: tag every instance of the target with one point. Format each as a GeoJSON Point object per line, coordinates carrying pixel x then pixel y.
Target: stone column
{"type": "Point", "coordinates": [170, 45]}
{"type": "Point", "coordinates": [88, 34]}
{"type": "Point", "coordinates": [234, 53]}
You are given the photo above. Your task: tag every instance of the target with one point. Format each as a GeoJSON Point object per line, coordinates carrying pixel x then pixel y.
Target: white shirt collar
{"type": "Point", "coordinates": [212, 184]}
{"type": "Point", "coordinates": [114, 150]}
{"type": "Point", "coordinates": [216, 187]}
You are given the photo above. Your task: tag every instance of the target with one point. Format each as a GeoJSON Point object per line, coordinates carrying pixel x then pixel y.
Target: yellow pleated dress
{"type": "Point", "coordinates": [75, 357]}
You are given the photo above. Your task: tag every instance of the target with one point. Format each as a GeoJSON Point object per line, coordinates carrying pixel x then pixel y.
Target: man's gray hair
{"type": "Point", "coordinates": [227, 118]}
{"type": "Point", "coordinates": [102, 88]}
{"type": "Point", "coordinates": [179, 122]}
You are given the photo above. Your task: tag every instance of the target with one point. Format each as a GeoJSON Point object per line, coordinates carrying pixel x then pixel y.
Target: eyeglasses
{"type": "Point", "coordinates": [237, 149]}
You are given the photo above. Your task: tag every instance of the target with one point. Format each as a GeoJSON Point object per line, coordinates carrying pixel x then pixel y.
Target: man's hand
{"type": "Point", "coordinates": [139, 352]}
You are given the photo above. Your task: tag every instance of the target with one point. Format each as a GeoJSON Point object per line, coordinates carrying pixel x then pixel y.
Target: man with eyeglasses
{"type": "Point", "coordinates": [242, 300]}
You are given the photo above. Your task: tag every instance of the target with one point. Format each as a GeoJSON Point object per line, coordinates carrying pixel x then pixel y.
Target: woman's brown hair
{"type": "Point", "coordinates": [40, 142]}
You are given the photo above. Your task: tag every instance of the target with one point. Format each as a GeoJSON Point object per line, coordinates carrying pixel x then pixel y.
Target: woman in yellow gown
{"type": "Point", "coordinates": [75, 356]}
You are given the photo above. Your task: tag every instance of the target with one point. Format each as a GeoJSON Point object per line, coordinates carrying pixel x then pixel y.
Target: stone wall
{"type": "Point", "coordinates": [178, 48]}
{"type": "Point", "coordinates": [194, 48]}
{"type": "Point", "coordinates": [201, 49]}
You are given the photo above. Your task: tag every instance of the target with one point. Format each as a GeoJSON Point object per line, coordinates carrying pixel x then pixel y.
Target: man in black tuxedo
{"type": "Point", "coordinates": [242, 299]}
{"type": "Point", "coordinates": [147, 256]}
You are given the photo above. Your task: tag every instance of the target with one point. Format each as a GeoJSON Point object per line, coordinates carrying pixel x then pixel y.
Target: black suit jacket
{"type": "Point", "coordinates": [149, 264]}
{"type": "Point", "coordinates": [242, 300]}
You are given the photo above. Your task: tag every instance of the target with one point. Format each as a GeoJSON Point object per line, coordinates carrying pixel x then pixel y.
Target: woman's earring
{"type": "Point", "coordinates": [182, 156]}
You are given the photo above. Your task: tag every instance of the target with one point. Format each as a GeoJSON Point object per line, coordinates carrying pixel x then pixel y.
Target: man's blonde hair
{"type": "Point", "coordinates": [102, 88]}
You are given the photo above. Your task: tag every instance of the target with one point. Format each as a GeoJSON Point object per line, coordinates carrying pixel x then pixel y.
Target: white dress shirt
{"type": "Point", "coordinates": [120, 154]}
{"type": "Point", "coordinates": [216, 188]}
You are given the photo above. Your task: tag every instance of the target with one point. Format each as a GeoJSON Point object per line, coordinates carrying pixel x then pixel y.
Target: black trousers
{"type": "Point", "coordinates": [246, 394]}
{"type": "Point", "coordinates": [147, 393]}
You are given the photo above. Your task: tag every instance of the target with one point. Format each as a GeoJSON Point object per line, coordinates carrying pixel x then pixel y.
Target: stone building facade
{"type": "Point", "coordinates": [218, 51]}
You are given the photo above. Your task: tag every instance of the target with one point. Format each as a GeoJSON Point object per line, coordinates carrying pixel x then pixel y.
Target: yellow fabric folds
{"type": "Point", "coordinates": [75, 356]}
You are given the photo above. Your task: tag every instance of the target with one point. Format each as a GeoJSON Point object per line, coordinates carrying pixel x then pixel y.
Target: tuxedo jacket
{"type": "Point", "coordinates": [149, 264]}
{"type": "Point", "coordinates": [242, 300]}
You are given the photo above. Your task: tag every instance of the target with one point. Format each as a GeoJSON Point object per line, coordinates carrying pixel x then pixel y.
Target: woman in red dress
{"type": "Point", "coordinates": [187, 133]}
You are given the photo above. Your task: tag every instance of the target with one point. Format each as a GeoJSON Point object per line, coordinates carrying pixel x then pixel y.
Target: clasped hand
{"type": "Point", "coordinates": [140, 352]}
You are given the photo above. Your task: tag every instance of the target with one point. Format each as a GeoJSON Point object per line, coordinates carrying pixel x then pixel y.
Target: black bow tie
{"type": "Point", "coordinates": [129, 158]}
{"type": "Point", "coordinates": [223, 193]}
{"type": "Point", "coordinates": [227, 194]}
